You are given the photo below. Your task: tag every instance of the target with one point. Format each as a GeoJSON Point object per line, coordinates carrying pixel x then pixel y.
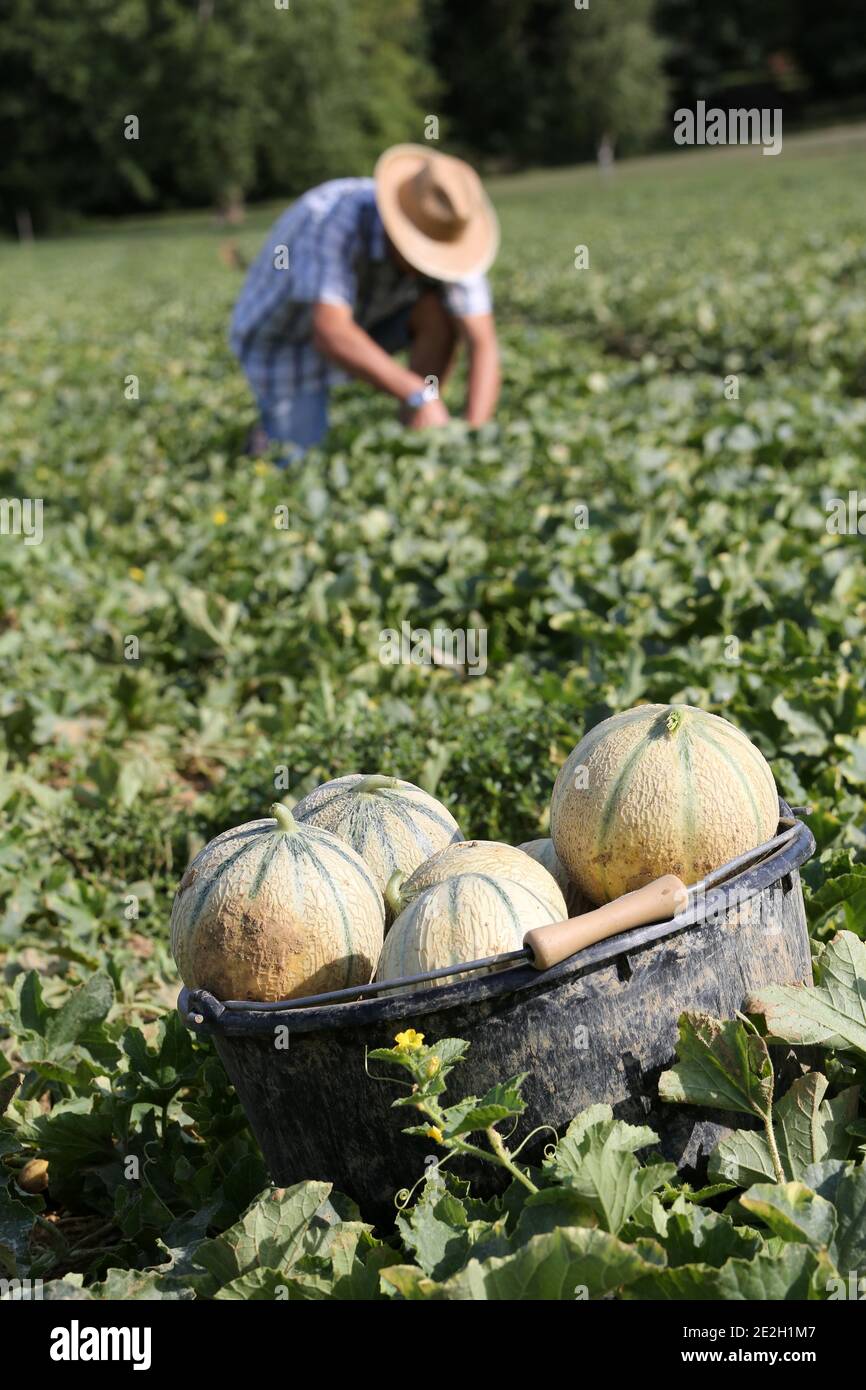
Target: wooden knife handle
{"type": "Point", "coordinates": [658, 901]}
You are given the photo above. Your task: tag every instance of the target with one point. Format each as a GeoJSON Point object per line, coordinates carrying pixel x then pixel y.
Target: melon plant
{"type": "Point", "coordinates": [275, 910]}
{"type": "Point", "coordinates": [393, 825]}
{"type": "Point", "coordinates": [543, 853]}
{"type": "Point", "coordinates": [465, 917]}
{"type": "Point", "coordinates": [659, 789]}
{"type": "Point", "coordinates": [488, 857]}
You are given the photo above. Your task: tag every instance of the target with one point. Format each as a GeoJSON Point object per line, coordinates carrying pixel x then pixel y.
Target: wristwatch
{"type": "Point", "coordinates": [423, 396]}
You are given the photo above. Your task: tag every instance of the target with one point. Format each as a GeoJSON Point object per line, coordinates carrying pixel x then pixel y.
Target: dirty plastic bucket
{"type": "Point", "coordinates": [600, 1027]}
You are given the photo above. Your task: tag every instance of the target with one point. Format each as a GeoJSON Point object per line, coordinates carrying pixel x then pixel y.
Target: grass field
{"type": "Point", "coordinates": [170, 647]}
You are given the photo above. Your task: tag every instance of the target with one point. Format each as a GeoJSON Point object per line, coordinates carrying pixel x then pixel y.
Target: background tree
{"type": "Point", "coordinates": [487, 56]}
{"type": "Point", "coordinates": [237, 99]}
{"type": "Point", "coordinates": [610, 90]}
{"type": "Point", "coordinates": [341, 80]}
{"type": "Point", "coordinates": [230, 99]}
{"type": "Point", "coordinates": [828, 43]}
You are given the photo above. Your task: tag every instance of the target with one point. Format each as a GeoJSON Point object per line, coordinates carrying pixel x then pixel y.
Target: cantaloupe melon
{"type": "Point", "coordinates": [659, 789]}
{"type": "Point", "coordinates": [543, 853]}
{"type": "Point", "coordinates": [465, 917]}
{"type": "Point", "coordinates": [276, 910]}
{"type": "Point", "coordinates": [478, 857]}
{"type": "Point", "coordinates": [393, 825]}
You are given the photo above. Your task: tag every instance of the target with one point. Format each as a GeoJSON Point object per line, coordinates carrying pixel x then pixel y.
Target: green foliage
{"type": "Point", "coordinates": [236, 99]}
{"type": "Point", "coordinates": [728, 1066]}
{"type": "Point", "coordinates": [259, 661]}
{"type": "Point", "coordinates": [596, 1158]}
{"type": "Point", "coordinates": [592, 1222]}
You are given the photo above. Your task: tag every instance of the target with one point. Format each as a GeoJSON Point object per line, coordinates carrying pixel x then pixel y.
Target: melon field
{"type": "Point", "coordinates": [666, 509]}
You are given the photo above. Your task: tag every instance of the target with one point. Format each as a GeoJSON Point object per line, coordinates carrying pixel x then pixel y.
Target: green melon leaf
{"type": "Point", "coordinates": [157, 1072]}
{"type": "Point", "coordinates": [440, 1234]}
{"type": "Point", "coordinates": [793, 1212]}
{"type": "Point", "coordinates": [805, 733]}
{"type": "Point", "coordinates": [721, 1064]}
{"type": "Point", "coordinates": [33, 1012]}
{"type": "Point", "coordinates": [86, 1005]}
{"type": "Point", "coordinates": [138, 1285]}
{"type": "Point", "coordinates": [268, 1285]}
{"type": "Point", "coordinates": [274, 1232]}
{"type": "Point", "coordinates": [849, 1200]}
{"type": "Point", "coordinates": [792, 1273]}
{"type": "Point", "coordinates": [69, 1289]}
{"type": "Point", "coordinates": [832, 1013]}
{"type": "Point", "coordinates": [552, 1207]}
{"type": "Point", "coordinates": [807, 1126]}
{"type": "Point", "coordinates": [595, 1158]}
{"type": "Point", "coordinates": [74, 1133]}
{"type": "Point", "coordinates": [691, 1234]}
{"type": "Point", "coordinates": [500, 1103]}
{"type": "Point", "coordinates": [563, 1264]}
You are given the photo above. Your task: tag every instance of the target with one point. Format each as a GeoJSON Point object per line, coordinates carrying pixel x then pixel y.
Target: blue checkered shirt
{"type": "Point", "coordinates": [328, 247]}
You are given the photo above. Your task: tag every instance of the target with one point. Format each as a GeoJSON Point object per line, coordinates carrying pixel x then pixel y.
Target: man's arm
{"type": "Point", "coordinates": [478, 331]}
{"type": "Point", "coordinates": [337, 336]}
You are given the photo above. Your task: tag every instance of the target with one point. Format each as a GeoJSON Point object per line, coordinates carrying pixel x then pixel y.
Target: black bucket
{"type": "Point", "coordinates": [599, 1027]}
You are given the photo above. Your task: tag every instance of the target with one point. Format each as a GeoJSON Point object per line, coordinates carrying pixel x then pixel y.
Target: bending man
{"type": "Point", "coordinates": [358, 269]}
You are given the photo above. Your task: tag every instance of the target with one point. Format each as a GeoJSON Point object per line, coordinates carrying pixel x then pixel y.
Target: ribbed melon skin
{"type": "Point", "coordinates": [264, 914]}
{"type": "Point", "coordinates": [393, 826]}
{"type": "Point", "coordinates": [669, 789]}
{"type": "Point", "coordinates": [488, 857]}
{"type": "Point", "coordinates": [543, 853]}
{"type": "Point", "coordinates": [465, 917]}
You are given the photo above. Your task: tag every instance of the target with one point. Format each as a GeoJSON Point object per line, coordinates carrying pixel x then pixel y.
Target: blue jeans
{"type": "Point", "coordinates": [299, 422]}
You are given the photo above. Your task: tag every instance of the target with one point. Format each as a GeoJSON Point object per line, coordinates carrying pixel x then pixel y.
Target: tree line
{"type": "Point", "coordinates": [110, 106]}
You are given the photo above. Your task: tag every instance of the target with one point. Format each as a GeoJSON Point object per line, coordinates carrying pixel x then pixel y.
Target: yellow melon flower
{"type": "Point", "coordinates": [434, 1132]}
{"type": "Point", "coordinates": [136, 573]}
{"type": "Point", "coordinates": [410, 1041]}
{"type": "Point", "coordinates": [219, 517]}
{"type": "Point", "coordinates": [263, 468]}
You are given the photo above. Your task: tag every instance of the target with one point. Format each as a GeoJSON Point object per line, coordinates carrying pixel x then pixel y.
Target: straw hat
{"type": "Point", "coordinates": [436, 212]}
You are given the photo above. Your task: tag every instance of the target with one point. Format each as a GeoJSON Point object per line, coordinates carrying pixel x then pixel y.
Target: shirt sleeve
{"type": "Point", "coordinates": [333, 278]}
{"type": "Point", "coordinates": [467, 297]}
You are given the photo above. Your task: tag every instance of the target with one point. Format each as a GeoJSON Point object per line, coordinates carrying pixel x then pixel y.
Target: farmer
{"type": "Point", "coordinates": [354, 271]}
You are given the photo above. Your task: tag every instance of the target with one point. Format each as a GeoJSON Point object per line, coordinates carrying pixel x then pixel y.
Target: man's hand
{"type": "Point", "coordinates": [428, 416]}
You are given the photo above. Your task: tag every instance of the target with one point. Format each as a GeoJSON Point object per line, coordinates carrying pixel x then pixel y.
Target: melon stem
{"type": "Point", "coordinates": [393, 896]}
{"type": "Point", "coordinates": [284, 818]}
{"type": "Point", "coordinates": [505, 1159]}
{"type": "Point", "coordinates": [675, 719]}
{"type": "Point", "coordinates": [376, 782]}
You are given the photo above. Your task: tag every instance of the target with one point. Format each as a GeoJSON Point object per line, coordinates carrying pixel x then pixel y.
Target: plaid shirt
{"type": "Point", "coordinates": [334, 242]}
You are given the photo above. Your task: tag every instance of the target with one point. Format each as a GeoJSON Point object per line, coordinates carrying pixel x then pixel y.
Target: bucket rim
{"type": "Point", "coordinates": [201, 1010]}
